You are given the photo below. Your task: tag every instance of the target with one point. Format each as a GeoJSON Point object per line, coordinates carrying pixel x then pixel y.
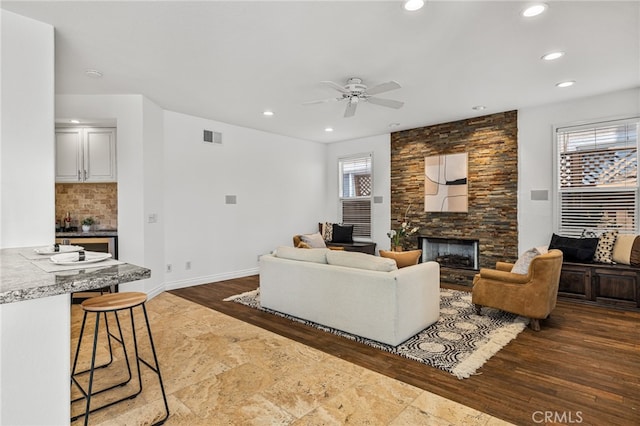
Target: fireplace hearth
{"type": "Point", "coordinates": [455, 253]}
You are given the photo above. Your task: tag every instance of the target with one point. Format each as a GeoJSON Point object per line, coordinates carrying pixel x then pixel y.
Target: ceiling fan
{"type": "Point", "coordinates": [355, 92]}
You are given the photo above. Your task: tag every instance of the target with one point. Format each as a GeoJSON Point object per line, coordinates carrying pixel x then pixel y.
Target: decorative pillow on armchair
{"type": "Point", "coordinates": [402, 258]}
{"type": "Point", "coordinates": [342, 233]}
{"type": "Point", "coordinates": [313, 240]}
{"type": "Point", "coordinates": [522, 264]}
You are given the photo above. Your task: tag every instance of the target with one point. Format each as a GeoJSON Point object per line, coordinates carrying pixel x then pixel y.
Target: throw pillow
{"type": "Point", "coordinates": [327, 231]}
{"type": "Point", "coordinates": [522, 264]}
{"type": "Point", "coordinates": [622, 249]}
{"type": "Point", "coordinates": [352, 259]}
{"type": "Point", "coordinates": [302, 244]}
{"type": "Point", "coordinates": [304, 255]}
{"type": "Point", "coordinates": [342, 233]}
{"type": "Point", "coordinates": [634, 258]}
{"type": "Point", "coordinates": [574, 249]}
{"type": "Point", "coordinates": [402, 258]}
{"type": "Point", "coordinates": [314, 240]}
{"type": "Point", "coordinates": [604, 248]}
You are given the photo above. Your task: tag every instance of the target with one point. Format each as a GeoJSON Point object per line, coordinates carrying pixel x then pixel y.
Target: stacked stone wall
{"type": "Point", "coordinates": [491, 143]}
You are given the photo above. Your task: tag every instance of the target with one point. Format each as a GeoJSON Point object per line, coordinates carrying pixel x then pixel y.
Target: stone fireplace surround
{"type": "Point", "coordinates": [492, 218]}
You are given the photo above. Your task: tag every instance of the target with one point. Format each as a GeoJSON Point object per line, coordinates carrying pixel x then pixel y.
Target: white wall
{"type": "Point", "coordinates": [380, 146]}
{"type": "Point", "coordinates": [27, 205]}
{"type": "Point", "coordinates": [535, 155]}
{"type": "Point", "coordinates": [153, 190]}
{"type": "Point", "coordinates": [279, 183]}
{"type": "Point", "coordinates": [34, 334]}
{"type": "Point", "coordinates": [139, 146]}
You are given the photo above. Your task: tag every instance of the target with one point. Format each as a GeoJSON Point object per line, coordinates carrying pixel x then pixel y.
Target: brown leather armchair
{"type": "Point", "coordinates": [533, 295]}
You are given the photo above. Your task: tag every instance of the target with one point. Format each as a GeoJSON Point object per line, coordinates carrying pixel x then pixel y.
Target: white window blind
{"type": "Point", "coordinates": [356, 188]}
{"type": "Point", "coordinates": [597, 171]}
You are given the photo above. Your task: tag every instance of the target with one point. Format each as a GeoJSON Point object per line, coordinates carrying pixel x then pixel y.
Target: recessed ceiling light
{"type": "Point", "coordinates": [267, 113]}
{"type": "Point", "coordinates": [74, 121]}
{"type": "Point", "coordinates": [93, 73]}
{"type": "Point", "coordinates": [534, 10]}
{"type": "Point", "coordinates": [413, 5]}
{"type": "Point", "coordinates": [479, 108]}
{"type": "Point", "coordinates": [565, 83]}
{"type": "Point", "coordinates": [328, 129]}
{"type": "Point", "coordinates": [392, 125]}
{"type": "Point", "coordinates": [552, 55]}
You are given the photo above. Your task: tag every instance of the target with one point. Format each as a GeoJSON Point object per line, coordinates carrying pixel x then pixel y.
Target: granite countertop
{"type": "Point", "coordinates": [80, 234]}
{"type": "Point", "coordinates": [21, 279]}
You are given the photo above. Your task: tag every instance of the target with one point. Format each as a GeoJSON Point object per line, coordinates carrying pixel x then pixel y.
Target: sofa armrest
{"type": "Point", "coordinates": [504, 276]}
{"type": "Point", "coordinates": [504, 266]}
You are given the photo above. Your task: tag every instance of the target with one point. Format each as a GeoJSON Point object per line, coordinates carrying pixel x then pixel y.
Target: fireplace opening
{"type": "Point", "coordinates": [454, 253]}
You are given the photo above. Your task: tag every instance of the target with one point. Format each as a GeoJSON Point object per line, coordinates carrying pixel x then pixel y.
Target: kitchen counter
{"type": "Point", "coordinates": [35, 321]}
{"type": "Point", "coordinates": [80, 234]}
{"type": "Point", "coordinates": [21, 280]}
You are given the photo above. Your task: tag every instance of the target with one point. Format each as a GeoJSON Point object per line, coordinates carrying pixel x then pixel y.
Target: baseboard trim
{"type": "Point", "coordinates": [174, 285]}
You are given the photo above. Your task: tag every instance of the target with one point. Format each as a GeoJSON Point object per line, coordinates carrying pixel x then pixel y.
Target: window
{"type": "Point", "coordinates": [597, 171]}
{"type": "Point", "coordinates": [356, 188]}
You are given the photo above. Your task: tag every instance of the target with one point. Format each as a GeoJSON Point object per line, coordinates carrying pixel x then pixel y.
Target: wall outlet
{"type": "Point", "coordinates": [187, 265]}
{"type": "Point", "coordinates": [168, 267]}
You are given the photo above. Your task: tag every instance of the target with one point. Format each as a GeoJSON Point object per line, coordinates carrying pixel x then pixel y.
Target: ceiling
{"type": "Point", "coordinates": [231, 60]}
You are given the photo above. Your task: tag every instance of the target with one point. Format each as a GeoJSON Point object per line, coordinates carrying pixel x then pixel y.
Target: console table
{"type": "Point", "coordinates": [369, 248]}
{"type": "Point", "coordinates": [601, 284]}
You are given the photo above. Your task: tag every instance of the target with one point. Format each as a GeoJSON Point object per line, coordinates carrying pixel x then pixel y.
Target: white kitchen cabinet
{"type": "Point", "coordinates": [85, 154]}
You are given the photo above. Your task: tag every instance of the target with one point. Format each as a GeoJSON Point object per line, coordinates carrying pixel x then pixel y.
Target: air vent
{"type": "Point", "coordinates": [210, 136]}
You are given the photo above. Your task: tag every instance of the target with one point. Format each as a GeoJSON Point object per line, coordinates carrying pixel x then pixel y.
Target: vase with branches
{"type": "Point", "coordinates": [405, 230]}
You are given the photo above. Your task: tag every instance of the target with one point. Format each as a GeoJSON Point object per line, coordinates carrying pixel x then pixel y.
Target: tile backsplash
{"type": "Point", "coordinates": [98, 200]}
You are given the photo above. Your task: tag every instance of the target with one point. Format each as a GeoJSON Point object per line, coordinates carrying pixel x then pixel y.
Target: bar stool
{"type": "Point", "coordinates": [114, 302]}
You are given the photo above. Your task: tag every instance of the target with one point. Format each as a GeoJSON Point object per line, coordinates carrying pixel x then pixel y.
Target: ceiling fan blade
{"type": "Point", "coordinates": [383, 87]}
{"type": "Point", "coordinates": [322, 101]}
{"type": "Point", "coordinates": [390, 103]}
{"type": "Point", "coordinates": [350, 110]}
{"type": "Point", "coordinates": [335, 86]}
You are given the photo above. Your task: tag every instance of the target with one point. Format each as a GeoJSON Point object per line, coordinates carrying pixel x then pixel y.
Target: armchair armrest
{"type": "Point", "coordinates": [504, 276]}
{"type": "Point", "coordinates": [504, 266]}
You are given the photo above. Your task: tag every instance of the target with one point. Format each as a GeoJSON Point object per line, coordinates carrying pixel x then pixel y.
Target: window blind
{"type": "Point", "coordinates": [597, 177]}
{"type": "Point", "coordinates": [356, 189]}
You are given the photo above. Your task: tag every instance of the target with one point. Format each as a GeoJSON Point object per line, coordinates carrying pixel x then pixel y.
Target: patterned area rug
{"type": "Point", "coordinates": [460, 342]}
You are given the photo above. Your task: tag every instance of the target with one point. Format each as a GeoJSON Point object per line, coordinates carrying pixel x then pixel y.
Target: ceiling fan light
{"type": "Point", "coordinates": [567, 83]}
{"type": "Point", "coordinates": [552, 56]}
{"type": "Point", "coordinates": [413, 5]}
{"type": "Point", "coordinates": [534, 10]}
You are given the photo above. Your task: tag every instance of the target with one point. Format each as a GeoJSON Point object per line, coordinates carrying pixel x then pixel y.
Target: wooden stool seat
{"type": "Point", "coordinates": [114, 301]}
{"type": "Point", "coordinates": [112, 304]}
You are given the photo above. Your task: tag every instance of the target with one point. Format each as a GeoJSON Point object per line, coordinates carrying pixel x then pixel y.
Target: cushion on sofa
{"type": "Point", "coordinates": [360, 261]}
{"type": "Point", "coordinates": [315, 255]}
{"type": "Point", "coordinates": [326, 229]}
{"type": "Point", "coordinates": [402, 258]}
{"type": "Point", "coordinates": [522, 264]}
{"type": "Point", "coordinates": [313, 240]}
{"type": "Point", "coordinates": [624, 247]}
{"type": "Point", "coordinates": [604, 249]}
{"type": "Point", "coordinates": [342, 234]}
{"type": "Point", "coordinates": [574, 249]}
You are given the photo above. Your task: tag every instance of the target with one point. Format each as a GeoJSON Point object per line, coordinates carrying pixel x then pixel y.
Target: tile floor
{"type": "Point", "coordinates": [218, 370]}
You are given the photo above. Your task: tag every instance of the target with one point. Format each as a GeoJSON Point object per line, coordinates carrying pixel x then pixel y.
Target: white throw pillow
{"type": "Point", "coordinates": [360, 261]}
{"type": "Point", "coordinates": [314, 240]}
{"type": "Point", "coordinates": [522, 265]}
{"type": "Point", "coordinates": [306, 255]}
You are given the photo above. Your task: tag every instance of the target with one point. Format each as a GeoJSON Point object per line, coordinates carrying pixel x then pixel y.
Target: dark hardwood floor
{"type": "Point", "coordinates": [582, 367]}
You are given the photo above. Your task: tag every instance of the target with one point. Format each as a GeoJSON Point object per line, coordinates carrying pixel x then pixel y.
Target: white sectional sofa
{"type": "Point", "coordinates": [354, 292]}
